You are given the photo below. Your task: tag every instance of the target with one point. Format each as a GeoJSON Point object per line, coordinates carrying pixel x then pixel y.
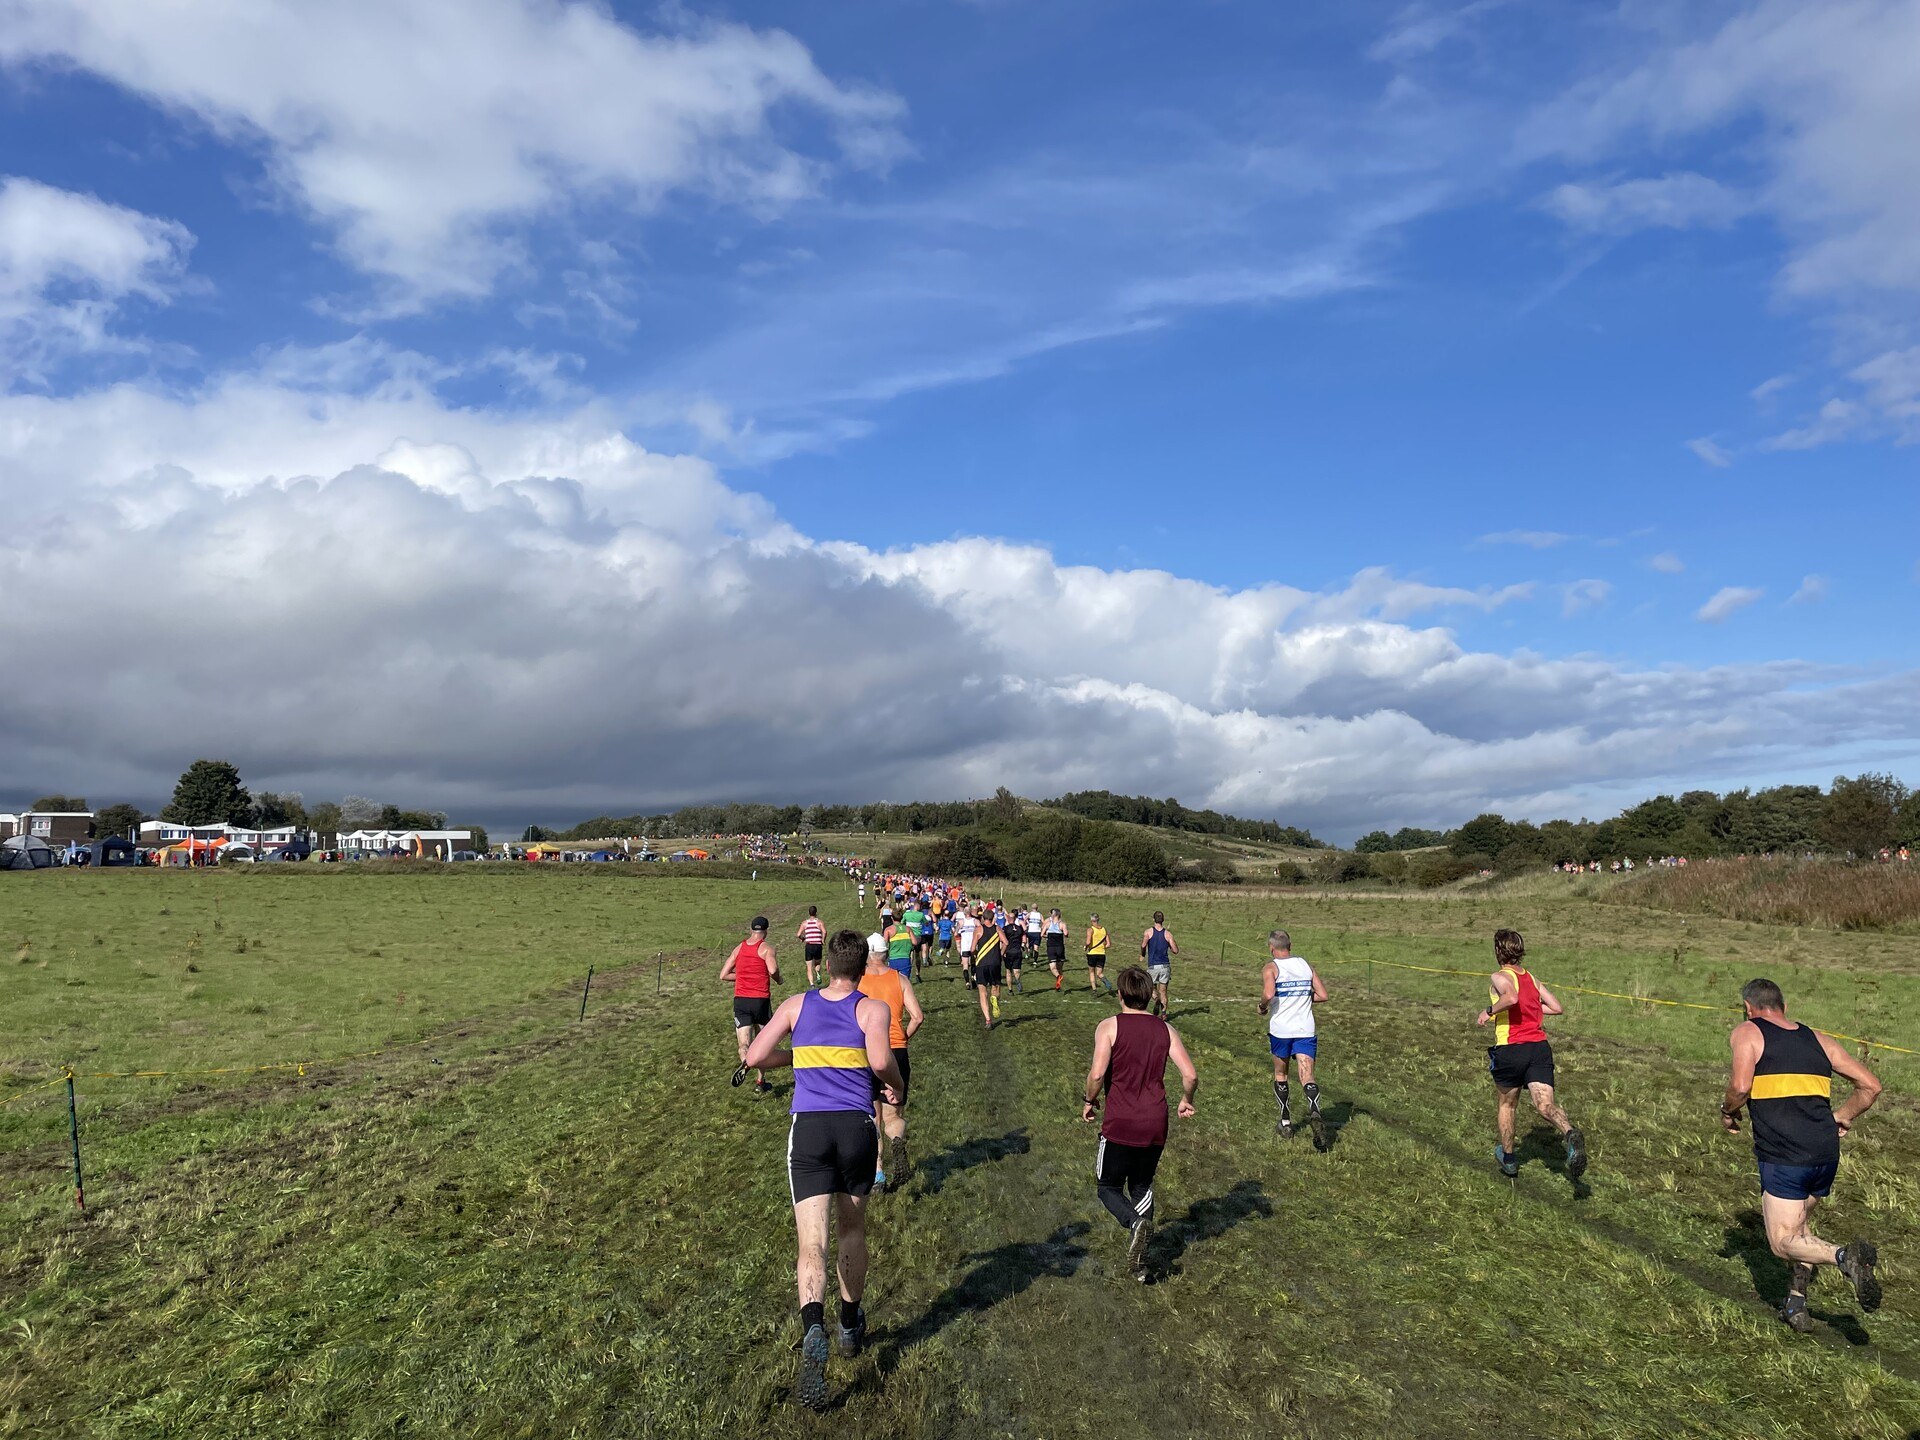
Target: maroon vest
{"type": "Point", "coordinates": [1137, 1081]}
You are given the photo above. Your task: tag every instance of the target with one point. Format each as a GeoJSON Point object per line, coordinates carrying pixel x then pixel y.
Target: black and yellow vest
{"type": "Point", "coordinates": [1792, 1099]}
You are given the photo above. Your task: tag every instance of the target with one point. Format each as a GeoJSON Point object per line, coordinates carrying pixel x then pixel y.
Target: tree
{"type": "Point", "coordinates": [479, 836]}
{"type": "Point", "coordinates": [121, 820]}
{"type": "Point", "coordinates": [209, 793]}
{"type": "Point", "coordinates": [271, 810]}
{"type": "Point", "coordinates": [971, 855]}
{"type": "Point", "coordinates": [357, 812]}
{"type": "Point", "coordinates": [324, 820]}
{"type": "Point", "coordinates": [1862, 815]}
{"type": "Point", "coordinates": [1374, 842]}
{"type": "Point", "coordinates": [1006, 806]}
{"type": "Point", "coordinates": [1482, 835]}
{"type": "Point", "coordinates": [60, 803]}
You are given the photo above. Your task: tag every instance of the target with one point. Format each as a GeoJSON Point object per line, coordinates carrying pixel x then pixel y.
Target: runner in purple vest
{"type": "Point", "coordinates": [1130, 1055]}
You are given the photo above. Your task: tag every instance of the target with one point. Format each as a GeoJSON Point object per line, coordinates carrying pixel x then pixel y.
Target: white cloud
{"type": "Point", "coordinates": [1684, 201]}
{"type": "Point", "coordinates": [1582, 595]}
{"type": "Point", "coordinates": [1667, 563]}
{"type": "Point", "coordinates": [426, 134]}
{"type": "Point", "coordinates": [509, 574]}
{"type": "Point", "coordinates": [1766, 390]}
{"type": "Point", "coordinates": [1727, 600]}
{"type": "Point", "coordinates": [67, 263]}
{"type": "Point", "coordinates": [1532, 539]}
{"type": "Point", "coordinates": [1837, 420]}
{"type": "Point", "coordinates": [1813, 588]}
{"type": "Point", "coordinates": [1709, 451]}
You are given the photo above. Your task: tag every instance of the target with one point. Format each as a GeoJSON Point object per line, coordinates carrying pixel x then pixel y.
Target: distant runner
{"type": "Point", "coordinates": [839, 1051]}
{"type": "Point", "coordinates": [1130, 1055]}
{"type": "Point", "coordinates": [900, 940]}
{"type": "Point", "coordinates": [863, 894]}
{"type": "Point", "coordinates": [1013, 943]}
{"type": "Point", "coordinates": [887, 985]}
{"type": "Point", "coordinates": [945, 926]}
{"type": "Point", "coordinates": [1036, 927]}
{"type": "Point", "coordinates": [911, 919]}
{"type": "Point", "coordinates": [1097, 942]}
{"type": "Point", "coordinates": [1157, 948]}
{"type": "Point", "coordinates": [1055, 931]}
{"type": "Point", "coordinates": [813, 935]}
{"type": "Point", "coordinates": [1520, 1055]}
{"type": "Point", "coordinates": [987, 970]}
{"type": "Point", "coordinates": [753, 969]}
{"type": "Point", "coordinates": [968, 926]}
{"type": "Point", "coordinates": [1289, 989]}
{"type": "Point", "coordinates": [1783, 1073]}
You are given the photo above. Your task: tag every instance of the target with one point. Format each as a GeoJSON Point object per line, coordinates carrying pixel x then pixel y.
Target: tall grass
{"type": "Point", "coordinates": [1783, 892]}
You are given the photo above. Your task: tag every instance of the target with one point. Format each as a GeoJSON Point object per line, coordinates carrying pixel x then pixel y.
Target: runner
{"type": "Point", "coordinates": [839, 1051]}
{"type": "Point", "coordinates": [923, 951]}
{"type": "Point", "coordinates": [1097, 942]}
{"type": "Point", "coordinates": [1036, 927]}
{"type": "Point", "coordinates": [1055, 930]}
{"type": "Point", "coordinates": [900, 937]}
{"type": "Point", "coordinates": [911, 919]}
{"type": "Point", "coordinates": [1783, 1072]}
{"type": "Point", "coordinates": [969, 927]}
{"type": "Point", "coordinates": [892, 989]}
{"type": "Point", "coordinates": [1013, 944]}
{"type": "Point", "coordinates": [1289, 989]}
{"type": "Point", "coordinates": [1520, 1055]}
{"type": "Point", "coordinates": [813, 935]}
{"type": "Point", "coordinates": [987, 970]}
{"type": "Point", "coordinates": [946, 937]}
{"type": "Point", "coordinates": [1157, 948]}
{"type": "Point", "coordinates": [863, 894]}
{"type": "Point", "coordinates": [1130, 1054]}
{"type": "Point", "coordinates": [751, 967]}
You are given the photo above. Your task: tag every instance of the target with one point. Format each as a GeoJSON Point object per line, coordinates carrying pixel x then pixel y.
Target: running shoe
{"type": "Point", "coordinates": [1509, 1164]}
{"type": "Point", "coordinates": [853, 1337]}
{"type": "Point", "coordinates": [740, 1076]}
{"type": "Point", "coordinates": [1856, 1262]}
{"type": "Point", "coordinates": [1576, 1154]}
{"type": "Point", "coordinates": [811, 1388]}
{"type": "Point", "coordinates": [902, 1166]}
{"type": "Point", "coordinates": [1283, 1127]}
{"type": "Point", "coordinates": [765, 1087]}
{"type": "Point", "coordinates": [1318, 1124]}
{"type": "Point", "coordinates": [1794, 1312]}
{"type": "Point", "coordinates": [880, 1180]}
{"type": "Point", "coordinates": [994, 1002]}
{"type": "Point", "coordinates": [1137, 1240]}
{"type": "Point", "coordinates": [1056, 982]}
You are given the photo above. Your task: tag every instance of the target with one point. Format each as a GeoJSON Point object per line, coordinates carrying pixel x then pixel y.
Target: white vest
{"type": "Point", "coordinates": [1290, 1016]}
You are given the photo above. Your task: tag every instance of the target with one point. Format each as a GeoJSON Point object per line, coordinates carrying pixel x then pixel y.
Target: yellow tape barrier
{"type": "Point", "coordinates": [1583, 990]}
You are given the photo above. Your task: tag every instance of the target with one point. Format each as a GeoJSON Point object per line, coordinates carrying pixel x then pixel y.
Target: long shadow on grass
{"type": "Point", "coordinates": [1550, 1150]}
{"type": "Point", "coordinates": [1338, 1116]}
{"type": "Point", "coordinates": [1024, 1020]}
{"type": "Point", "coordinates": [1747, 1243]}
{"type": "Point", "coordinates": [1003, 1272]}
{"type": "Point", "coordinates": [1206, 1220]}
{"type": "Point", "coordinates": [941, 1168]}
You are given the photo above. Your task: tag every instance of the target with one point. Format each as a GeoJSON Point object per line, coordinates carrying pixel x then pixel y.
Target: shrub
{"type": "Point", "coordinates": [1338, 867]}
{"type": "Point", "coordinates": [1430, 872]}
{"type": "Point", "coordinates": [1212, 870]}
{"type": "Point", "coordinates": [1782, 892]}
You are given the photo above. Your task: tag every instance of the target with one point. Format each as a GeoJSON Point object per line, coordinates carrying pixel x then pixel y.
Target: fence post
{"type": "Point", "coordinates": [659, 970]}
{"type": "Point", "coordinates": [1369, 978]}
{"type": "Point", "coordinates": [73, 1132]}
{"type": "Point", "coordinates": [584, 989]}
{"type": "Point", "coordinates": [1223, 952]}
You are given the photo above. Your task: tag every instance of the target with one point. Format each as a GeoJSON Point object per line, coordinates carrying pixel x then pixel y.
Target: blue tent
{"type": "Point", "coordinates": [112, 853]}
{"type": "Point", "coordinates": [27, 852]}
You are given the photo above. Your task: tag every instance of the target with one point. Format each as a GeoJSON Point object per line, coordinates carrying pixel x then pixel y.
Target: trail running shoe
{"type": "Point", "coordinates": [1056, 982]}
{"type": "Point", "coordinates": [1576, 1154]}
{"type": "Point", "coordinates": [853, 1337]}
{"type": "Point", "coordinates": [994, 1002]}
{"type": "Point", "coordinates": [1318, 1124]}
{"type": "Point", "coordinates": [740, 1077]}
{"type": "Point", "coordinates": [811, 1388]}
{"type": "Point", "coordinates": [1137, 1241]}
{"type": "Point", "coordinates": [1509, 1164]}
{"type": "Point", "coordinates": [1858, 1258]}
{"type": "Point", "coordinates": [902, 1167]}
{"type": "Point", "coordinates": [879, 1179]}
{"type": "Point", "coordinates": [1794, 1312]}
{"type": "Point", "coordinates": [1284, 1127]}
{"type": "Point", "coordinates": [765, 1087]}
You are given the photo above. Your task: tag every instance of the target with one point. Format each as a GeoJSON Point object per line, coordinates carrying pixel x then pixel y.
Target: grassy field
{"type": "Point", "coordinates": [508, 1222]}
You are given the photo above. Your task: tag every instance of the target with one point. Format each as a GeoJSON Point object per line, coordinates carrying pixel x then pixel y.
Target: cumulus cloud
{"type": "Point", "coordinates": [424, 170]}
{"type": "Point", "coordinates": [1675, 202]}
{"type": "Point", "coordinates": [1812, 588]}
{"type": "Point", "coordinates": [1532, 539]}
{"type": "Point", "coordinates": [1725, 601]}
{"type": "Point", "coordinates": [520, 616]}
{"type": "Point", "coordinates": [1582, 595]}
{"type": "Point", "coordinates": [67, 263]}
{"type": "Point", "coordinates": [1710, 452]}
{"type": "Point", "coordinates": [1667, 563]}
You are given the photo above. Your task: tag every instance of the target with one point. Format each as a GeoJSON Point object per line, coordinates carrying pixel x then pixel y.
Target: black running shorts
{"type": "Point", "coordinates": [751, 1010]}
{"type": "Point", "coordinates": [986, 969]}
{"type": "Point", "coordinates": [906, 1073]}
{"type": "Point", "coordinates": [1514, 1067]}
{"type": "Point", "coordinates": [813, 953]}
{"type": "Point", "coordinates": [1056, 949]}
{"type": "Point", "coordinates": [832, 1152]}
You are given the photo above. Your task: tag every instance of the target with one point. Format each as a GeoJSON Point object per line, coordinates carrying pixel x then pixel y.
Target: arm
{"type": "Point", "coordinates": [726, 969]}
{"type": "Point", "coordinates": [1505, 994]}
{"type": "Point", "coordinates": [1746, 1045]}
{"type": "Point", "coordinates": [1319, 987]}
{"type": "Point", "coordinates": [1548, 1005]}
{"type": "Point", "coordinates": [773, 962]}
{"type": "Point", "coordinates": [1269, 978]}
{"type": "Point", "coordinates": [1173, 945]}
{"type": "Point", "coordinates": [910, 1002]}
{"type": "Point", "coordinates": [1866, 1085]}
{"type": "Point", "coordinates": [1189, 1077]}
{"type": "Point", "coordinates": [1097, 1071]}
{"type": "Point", "coordinates": [875, 1022]}
{"type": "Point", "coordinates": [765, 1052]}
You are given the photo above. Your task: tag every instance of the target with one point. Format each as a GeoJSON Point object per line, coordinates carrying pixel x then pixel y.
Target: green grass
{"type": "Point", "coordinates": [513, 1224]}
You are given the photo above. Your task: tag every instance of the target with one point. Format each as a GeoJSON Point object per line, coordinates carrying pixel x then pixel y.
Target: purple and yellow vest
{"type": "Point", "coordinates": [830, 1070]}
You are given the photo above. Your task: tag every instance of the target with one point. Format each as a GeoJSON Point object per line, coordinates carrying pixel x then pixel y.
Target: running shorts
{"type": "Point", "coordinates": [1096, 962]}
{"type": "Point", "coordinates": [1160, 974]}
{"type": "Point", "coordinates": [906, 1073]}
{"type": "Point", "coordinates": [813, 954]}
{"type": "Point", "coordinates": [1516, 1066]}
{"type": "Point", "coordinates": [987, 971]}
{"type": "Point", "coordinates": [1284, 1047]}
{"type": "Point", "coordinates": [832, 1152]}
{"type": "Point", "coordinates": [1056, 949]}
{"type": "Point", "coordinates": [1120, 1165]}
{"type": "Point", "coordinates": [1798, 1182]}
{"type": "Point", "coordinates": [751, 1010]}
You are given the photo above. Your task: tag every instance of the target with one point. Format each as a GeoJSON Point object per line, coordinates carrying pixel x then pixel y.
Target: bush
{"type": "Point", "coordinates": [1338, 867]}
{"type": "Point", "coordinates": [1388, 865]}
{"type": "Point", "coordinates": [1783, 892]}
{"type": "Point", "coordinates": [1430, 872]}
{"type": "Point", "coordinates": [1289, 873]}
{"type": "Point", "coordinates": [1127, 859]}
{"type": "Point", "coordinates": [1212, 870]}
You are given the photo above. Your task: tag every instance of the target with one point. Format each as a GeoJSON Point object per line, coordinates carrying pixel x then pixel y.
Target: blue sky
{"type": "Point", "coordinates": [1540, 379]}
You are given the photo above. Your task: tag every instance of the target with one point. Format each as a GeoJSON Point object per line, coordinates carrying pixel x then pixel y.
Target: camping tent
{"type": "Point", "coordinates": [113, 853]}
{"type": "Point", "coordinates": [26, 852]}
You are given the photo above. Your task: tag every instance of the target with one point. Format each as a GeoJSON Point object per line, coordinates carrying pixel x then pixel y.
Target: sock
{"type": "Point", "coordinates": [1313, 1096]}
{"type": "Point", "coordinates": [1840, 1256]}
{"type": "Point", "coordinates": [1280, 1094]}
{"type": "Point", "coordinates": [812, 1315]}
{"type": "Point", "coordinates": [849, 1314]}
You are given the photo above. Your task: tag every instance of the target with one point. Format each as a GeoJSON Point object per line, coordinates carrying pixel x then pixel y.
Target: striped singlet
{"type": "Point", "coordinates": [830, 1070]}
{"type": "Point", "coordinates": [1519, 1023]}
{"type": "Point", "coordinates": [1792, 1099]}
{"type": "Point", "coordinates": [812, 932]}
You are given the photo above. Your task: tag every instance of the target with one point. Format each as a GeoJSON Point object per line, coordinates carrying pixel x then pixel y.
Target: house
{"type": "Point", "coordinates": [167, 832]}
{"type": "Point", "coordinates": [56, 827]}
{"type": "Point", "coordinates": [9, 826]}
{"type": "Point", "coordinates": [424, 844]}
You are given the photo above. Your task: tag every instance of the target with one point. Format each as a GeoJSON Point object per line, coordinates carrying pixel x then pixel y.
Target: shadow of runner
{"type": "Point", "coordinates": [1206, 1220]}
{"type": "Point", "coordinates": [1545, 1145]}
{"type": "Point", "coordinates": [1747, 1242]}
{"type": "Point", "coordinates": [938, 1169]}
{"type": "Point", "coordinates": [1003, 1272]}
{"type": "Point", "coordinates": [1023, 1020]}
{"type": "Point", "coordinates": [1338, 1116]}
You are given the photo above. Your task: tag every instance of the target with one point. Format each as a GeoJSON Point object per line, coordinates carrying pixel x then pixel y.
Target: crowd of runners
{"type": "Point", "coordinates": [848, 1034]}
